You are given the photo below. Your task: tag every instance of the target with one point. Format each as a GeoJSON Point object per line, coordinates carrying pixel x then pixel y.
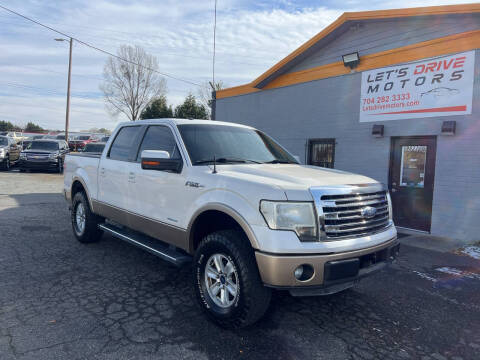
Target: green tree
{"type": "Point", "coordinates": [190, 109]}
{"type": "Point", "coordinates": [205, 94]}
{"type": "Point", "coordinates": [7, 126]}
{"type": "Point", "coordinates": [157, 109]}
{"type": "Point", "coordinates": [31, 127]}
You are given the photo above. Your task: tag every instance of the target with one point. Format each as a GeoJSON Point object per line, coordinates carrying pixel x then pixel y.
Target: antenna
{"type": "Point", "coordinates": [214, 165]}
{"type": "Point", "coordinates": [214, 43]}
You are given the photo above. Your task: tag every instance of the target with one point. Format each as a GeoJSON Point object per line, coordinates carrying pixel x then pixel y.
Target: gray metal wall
{"type": "Point", "coordinates": [329, 108]}
{"type": "Point", "coordinates": [380, 35]}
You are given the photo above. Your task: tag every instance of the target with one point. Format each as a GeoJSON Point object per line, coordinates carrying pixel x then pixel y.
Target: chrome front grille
{"type": "Point", "coordinates": [360, 210]}
{"type": "Point", "coordinates": [37, 156]}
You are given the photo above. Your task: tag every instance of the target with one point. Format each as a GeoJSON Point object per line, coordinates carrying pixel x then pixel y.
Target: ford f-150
{"type": "Point", "coordinates": [232, 203]}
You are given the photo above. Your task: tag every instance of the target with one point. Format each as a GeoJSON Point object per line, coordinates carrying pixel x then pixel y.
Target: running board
{"type": "Point", "coordinates": [154, 246]}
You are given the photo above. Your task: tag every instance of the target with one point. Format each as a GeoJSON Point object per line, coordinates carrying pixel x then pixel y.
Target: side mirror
{"type": "Point", "coordinates": [160, 160]}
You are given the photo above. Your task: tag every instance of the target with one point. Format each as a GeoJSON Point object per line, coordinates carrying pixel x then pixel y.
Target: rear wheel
{"type": "Point", "coordinates": [227, 283]}
{"type": "Point", "coordinates": [84, 222]}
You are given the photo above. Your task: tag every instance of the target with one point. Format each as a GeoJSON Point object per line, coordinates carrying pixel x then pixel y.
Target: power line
{"type": "Point", "coordinates": [97, 48]}
{"type": "Point", "coordinates": [149, 45]}
{"type": "Point", "coordinates": [47, 91]}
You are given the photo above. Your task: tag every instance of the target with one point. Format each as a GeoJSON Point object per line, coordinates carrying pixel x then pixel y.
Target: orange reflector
{"type": "Point", "coordinates": [153, 163]}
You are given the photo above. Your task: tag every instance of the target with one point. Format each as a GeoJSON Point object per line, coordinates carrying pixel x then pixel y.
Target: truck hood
{"type": "Point", "coordinates": [294, 179]}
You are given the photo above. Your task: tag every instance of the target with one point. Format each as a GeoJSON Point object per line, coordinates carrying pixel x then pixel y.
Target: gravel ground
{"type": "Point", "coordinates": [60, 299]}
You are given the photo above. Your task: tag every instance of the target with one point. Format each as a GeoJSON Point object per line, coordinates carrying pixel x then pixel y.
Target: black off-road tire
{"type": "Point", "coordinates": [252, 299]}
{"type": "Point", "coordinates": [90, 232]}
{"type": "Point", "coordinates": [60, 166]}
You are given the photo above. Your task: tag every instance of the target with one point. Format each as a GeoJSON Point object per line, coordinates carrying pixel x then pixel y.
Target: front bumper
{"type": "Point", "coordinates": [331, 272]}
{"type": "Point", "coordinates": [39, 165]}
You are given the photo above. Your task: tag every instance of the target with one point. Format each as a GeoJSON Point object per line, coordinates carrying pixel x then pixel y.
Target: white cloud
{"type": "Point", "coordinates": [251, 37]}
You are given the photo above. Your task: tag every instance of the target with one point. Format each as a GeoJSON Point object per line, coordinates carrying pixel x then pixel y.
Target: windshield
{"type": "Point", "coordinates": [3, 141]}
{"type": "Point", "coordinates": [231, 144]}
{"type": "Point", "coordinates": [43, 145]}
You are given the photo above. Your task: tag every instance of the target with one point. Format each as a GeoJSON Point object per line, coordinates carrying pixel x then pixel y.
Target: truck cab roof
{"type": "Point", "coordinates": [184, 122]}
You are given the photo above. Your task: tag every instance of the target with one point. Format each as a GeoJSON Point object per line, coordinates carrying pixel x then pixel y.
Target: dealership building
{"type": "Point", "coordinates": [394, 95]}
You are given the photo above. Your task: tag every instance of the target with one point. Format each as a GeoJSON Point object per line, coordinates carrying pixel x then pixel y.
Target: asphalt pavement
{"type": "Point", "coordinates": [60, 299]}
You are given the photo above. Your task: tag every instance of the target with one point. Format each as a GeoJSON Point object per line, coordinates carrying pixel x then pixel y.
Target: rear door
{"type": "Point", "coordinates": [114, 168]}
{"type": "Point", "coordinates": [158, 195]}
{"type": "Point", "coordinates": [412, 173]}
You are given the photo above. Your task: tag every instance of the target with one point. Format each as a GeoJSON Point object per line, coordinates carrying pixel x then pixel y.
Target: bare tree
{"type": "Point", "coordinates": [205, 95]}
{"type": "Point", "coordinates": [129, 86]}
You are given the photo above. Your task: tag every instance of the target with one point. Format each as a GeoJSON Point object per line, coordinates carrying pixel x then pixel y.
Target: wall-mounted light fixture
{"type": "Point", "coordinates": [377, 131]}
{"type": "Point", "coordinates": [351, 60]}
{"type": "Point", "coordinates": [449, 127]}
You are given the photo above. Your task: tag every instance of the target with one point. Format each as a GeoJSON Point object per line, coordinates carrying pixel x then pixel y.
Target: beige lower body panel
{"type": "Point", "coordinates": [277, 270]}
{"type": "Point", "coordinates": [156, 229]}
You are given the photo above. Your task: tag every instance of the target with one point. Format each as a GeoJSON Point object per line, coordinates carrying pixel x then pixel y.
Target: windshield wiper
{"type": "Point", "coordinates": [224, 160]}
{"type": "Point", "coordinates": [277, 161]}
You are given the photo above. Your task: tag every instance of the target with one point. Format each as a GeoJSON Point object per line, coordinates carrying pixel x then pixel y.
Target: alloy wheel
{"type": "Point", "coordinates": [80, 218]}
{"type": "Point", "coordinates": [221, 280]}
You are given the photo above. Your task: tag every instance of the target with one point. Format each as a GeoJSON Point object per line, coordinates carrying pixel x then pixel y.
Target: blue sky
{"type": "Point", "coordinates": [251, 37]}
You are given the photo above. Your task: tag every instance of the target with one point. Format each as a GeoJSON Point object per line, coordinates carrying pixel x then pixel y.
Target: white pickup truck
{"type": "Point", "coordinates": [232, 203]}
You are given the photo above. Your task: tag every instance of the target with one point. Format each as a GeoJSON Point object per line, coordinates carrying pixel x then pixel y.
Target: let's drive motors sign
{"type": "Point", "coordinates": [434, 87]}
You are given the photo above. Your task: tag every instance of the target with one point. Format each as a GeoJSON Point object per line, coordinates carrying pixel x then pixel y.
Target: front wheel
{"type": "Point", "coordinates": [84, 222]}
{"type": "Point", "coordinates": [60, 166]}
{"type": "Point", "coordinates": [6, 164]}
{"type": "Point", "coordinates": [227, 282]}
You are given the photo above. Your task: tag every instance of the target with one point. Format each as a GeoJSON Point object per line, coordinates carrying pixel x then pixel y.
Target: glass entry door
{"type": "Point", "coordinates": [412, 172]}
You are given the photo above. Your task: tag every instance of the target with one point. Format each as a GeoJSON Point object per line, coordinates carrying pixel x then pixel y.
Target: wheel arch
{"type": "Point", "coordinates": [201, 223]}
{"type": "Point", "coordinates": [78, 184]}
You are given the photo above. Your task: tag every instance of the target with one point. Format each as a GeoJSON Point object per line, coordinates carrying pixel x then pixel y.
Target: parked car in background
{"type": "Point", "coordinates": [27, 141]}
{"type": "Point", "coordinates": [60, 137]}
{"type": "Point", "coordinates": [94, 148]}
{"type": "Point", "coordinates": [9, 152]}
{"type": "Point", "coordinates": [44, 154]}
{"type": "Point", "coordinates": [105, 139]}
{"type": "Point", "coordinates": [79, 142]}
{"type": "Point", "coordinates": [15, 135]}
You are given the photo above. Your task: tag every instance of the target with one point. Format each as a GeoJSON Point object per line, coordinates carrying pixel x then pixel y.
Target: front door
{"type": "Point", "coordinates": [412, 172]}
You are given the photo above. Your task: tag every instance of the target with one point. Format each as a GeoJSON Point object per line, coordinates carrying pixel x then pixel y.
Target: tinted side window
{"type": "Point", "coordinates": [159, 138]}
{"type": "Point", "coordinates": [123, 143]}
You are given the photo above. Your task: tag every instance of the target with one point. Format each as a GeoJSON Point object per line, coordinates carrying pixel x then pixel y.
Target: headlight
{"type": "Point", "coordinates": [294, 216]}
{"type": "Point", "coordinates": [23, 156]}
{"type": "Point", "coordinates": [53, 156]}
{"type": "Point", "coordinates": [2, 153]}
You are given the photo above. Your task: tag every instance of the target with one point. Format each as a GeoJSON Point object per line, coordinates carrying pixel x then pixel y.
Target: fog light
{"type": "Point", "coordinates": [304, 272]}
{"type": "Point", "coordinates": [298, 272]}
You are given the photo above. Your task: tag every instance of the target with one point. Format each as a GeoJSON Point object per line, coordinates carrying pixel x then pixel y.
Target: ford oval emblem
{"type": "Point", "coordinates": [368, 212]}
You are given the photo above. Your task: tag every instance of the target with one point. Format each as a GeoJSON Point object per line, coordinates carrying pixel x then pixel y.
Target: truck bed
{"type": "Point", "coordinates": [86, 165]}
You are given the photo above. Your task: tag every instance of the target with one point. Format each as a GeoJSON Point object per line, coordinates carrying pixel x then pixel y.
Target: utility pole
{"type": "Point", "coordinates": [67, 114]}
